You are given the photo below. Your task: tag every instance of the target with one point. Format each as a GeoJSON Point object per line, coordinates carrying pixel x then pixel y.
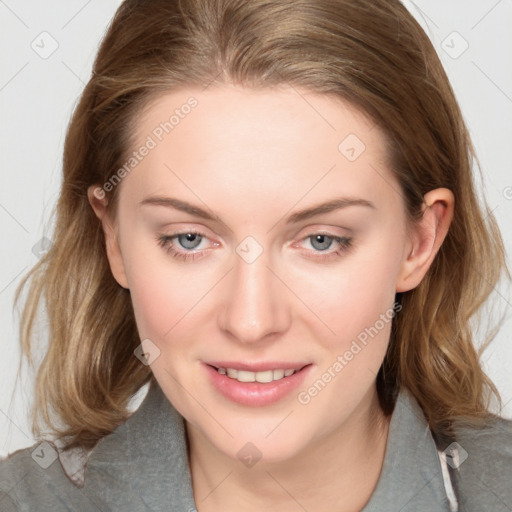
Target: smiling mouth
{"type": "Point", "coordinates": [265, 376]}
{"type": "Point", "coordinates": [256, 384]}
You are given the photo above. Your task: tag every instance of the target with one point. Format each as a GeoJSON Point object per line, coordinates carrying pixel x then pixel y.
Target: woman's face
{"type": "Point", "coordinates": [268, 280]}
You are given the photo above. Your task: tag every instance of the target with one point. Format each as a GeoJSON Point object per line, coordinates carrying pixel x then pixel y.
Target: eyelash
{"type": "Point", "coordinates": [344, 243]}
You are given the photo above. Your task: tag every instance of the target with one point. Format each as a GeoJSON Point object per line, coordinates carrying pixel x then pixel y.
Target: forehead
{"type": "Point", "coordinates": [231, 115]}
{"type": "Point", "coordinates": [261, 142]}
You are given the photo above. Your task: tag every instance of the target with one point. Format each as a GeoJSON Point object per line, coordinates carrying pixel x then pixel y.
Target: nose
{"type": "Point", "coordinates": [255, 306]}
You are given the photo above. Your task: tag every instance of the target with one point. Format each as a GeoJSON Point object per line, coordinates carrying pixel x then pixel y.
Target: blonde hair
{"type": "Point", "coordinates": [372, 54]}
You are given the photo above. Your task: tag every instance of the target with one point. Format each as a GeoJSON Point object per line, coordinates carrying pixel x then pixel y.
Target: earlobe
{"type": "Point", "coordinates": [426, 238]}
{"type": "Point", "coordinates": [98, 203]}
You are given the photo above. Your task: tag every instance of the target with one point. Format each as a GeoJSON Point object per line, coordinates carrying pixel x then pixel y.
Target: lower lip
{"type": "Point", "coordinates": [255, 394]}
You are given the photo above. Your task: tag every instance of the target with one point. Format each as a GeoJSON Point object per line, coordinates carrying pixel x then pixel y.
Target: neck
{"type": "Point", "coordinates": [337, 472]}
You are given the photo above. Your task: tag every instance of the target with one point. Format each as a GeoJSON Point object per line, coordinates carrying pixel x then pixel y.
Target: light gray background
{"type": "Point", "coordinates": [47, 49]}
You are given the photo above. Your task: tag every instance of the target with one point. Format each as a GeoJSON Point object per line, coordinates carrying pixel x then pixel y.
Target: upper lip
{"type": "Point", "coordinates": [258, 366]}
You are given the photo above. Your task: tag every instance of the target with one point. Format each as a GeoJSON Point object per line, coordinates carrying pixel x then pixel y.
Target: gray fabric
{"type": "Point", "coordinates": [485, 479]}
{"type": "Point", "coordinates": [143, 466]}
{"type": "Point", "coordinates": [411, 478]}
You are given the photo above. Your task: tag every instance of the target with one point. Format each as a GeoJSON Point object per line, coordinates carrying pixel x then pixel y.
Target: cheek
{"type": "Point", "coordinates": [352, 295]}
{"type": "Point", "coordinates": [159, 298]}
{"type": "Point", "coordinates": [153, 307]}
{"type": "Point", "coordinates": [166, 296]}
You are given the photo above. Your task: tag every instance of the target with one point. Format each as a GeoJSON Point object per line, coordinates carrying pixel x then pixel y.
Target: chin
{"type": "Point", "coordinates": [262, 444]}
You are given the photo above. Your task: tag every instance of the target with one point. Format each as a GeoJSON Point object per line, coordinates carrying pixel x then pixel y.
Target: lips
{"type": "Point", "coordinates": [256, 384]}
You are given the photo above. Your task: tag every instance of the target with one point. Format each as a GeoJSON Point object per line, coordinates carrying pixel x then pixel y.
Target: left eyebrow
{"type": "Point", "coordinates": [329, 206]}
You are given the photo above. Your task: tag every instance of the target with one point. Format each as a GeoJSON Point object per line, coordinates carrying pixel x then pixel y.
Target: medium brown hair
{"type": "Point", "coordinates": [370, 53]}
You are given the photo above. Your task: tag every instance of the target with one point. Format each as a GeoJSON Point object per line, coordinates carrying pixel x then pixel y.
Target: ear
{"type": "Point", "coordinates": [426, 238]}
{"type": "Point", "coordinates": [99, 202]}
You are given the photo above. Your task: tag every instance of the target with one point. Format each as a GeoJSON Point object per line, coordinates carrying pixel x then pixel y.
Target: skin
{"type": "Point", "coordinates": [252, 158]}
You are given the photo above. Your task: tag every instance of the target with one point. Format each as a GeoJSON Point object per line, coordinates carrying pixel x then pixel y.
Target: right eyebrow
{"type": "Point", "coordinates": [177, 204]}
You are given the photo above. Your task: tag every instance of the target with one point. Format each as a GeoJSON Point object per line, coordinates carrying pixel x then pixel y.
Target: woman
{"type": "Point", "coordinates": [268, 219]}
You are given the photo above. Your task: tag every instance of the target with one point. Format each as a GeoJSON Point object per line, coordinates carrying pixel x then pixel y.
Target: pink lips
{"type": "Point", "coordinates": [255, 394]}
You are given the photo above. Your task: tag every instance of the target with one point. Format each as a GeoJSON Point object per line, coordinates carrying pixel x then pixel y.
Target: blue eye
{"type": "Point", "coordinates": [186, 240]}
{"type": "Point", "coordinates": [189, 240]}
{"type": "Point", "coordinates": [322, 242]}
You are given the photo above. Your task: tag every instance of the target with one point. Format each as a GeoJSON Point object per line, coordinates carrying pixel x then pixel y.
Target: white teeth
{"type": "Point", "coordinates": [278, 374]}
{"type": "Point", "coordinates": [267, 376]}
{"type": "Point", "coordinates": [263, 377]}
{"type": "Point", "coordinates": [245, 376]}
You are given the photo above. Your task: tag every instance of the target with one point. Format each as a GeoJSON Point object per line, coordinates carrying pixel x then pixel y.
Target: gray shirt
{"type": "Point", "coordinates": [143, 466]}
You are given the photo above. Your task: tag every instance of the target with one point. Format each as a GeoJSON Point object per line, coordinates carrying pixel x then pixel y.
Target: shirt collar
{"type": "Point", "coordinates": [143, 464]}
{"type": "Point", "coordinates": [411, 476]}
{"type": "Point", "coordinates": [144, 461]}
